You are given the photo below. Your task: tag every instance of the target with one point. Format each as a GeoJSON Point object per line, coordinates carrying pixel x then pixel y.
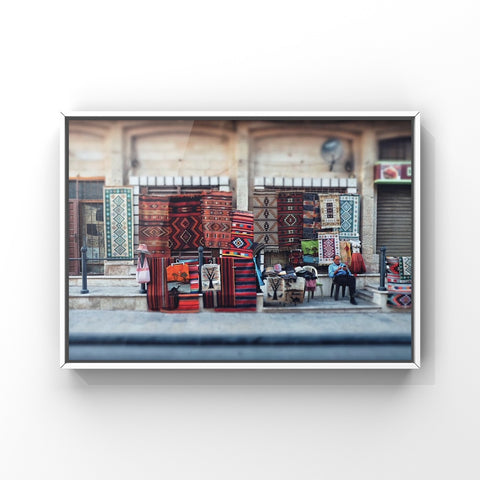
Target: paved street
{"type": "Point", "coordinates": [98, 335]}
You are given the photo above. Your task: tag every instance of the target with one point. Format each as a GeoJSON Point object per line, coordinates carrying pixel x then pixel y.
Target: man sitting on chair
{"type": "Point", "coordinates": [342, 276]}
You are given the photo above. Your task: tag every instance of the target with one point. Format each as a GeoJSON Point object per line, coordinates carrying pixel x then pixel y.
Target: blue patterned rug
{"type": "Point", "coordinates": [349, 216]}
{"type": "Point", "coordinates": [118, 206]}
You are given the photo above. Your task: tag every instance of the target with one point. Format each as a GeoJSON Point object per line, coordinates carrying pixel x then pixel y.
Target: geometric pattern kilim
{"type": "Point", "coordinates": [400, 300]}
{"type": "Point", "coordinates": [405, 268]}
{"type": "Point", "coordinates": [328, 247]}
{"type": "Point", "coordinates": [118, 205]}
{"type": "Point", "coordinates": [349, 215]}
{"type": "Point", "coordinates": [290, 220]}
{"type": "Point", "coordinates": [153, 223]}
{"type": "Point", "coordinates": [265, 212]}
{"type": "Point", "coordinates": [185, 220]}
{"type": "Point", "coordinates": [330, 210]}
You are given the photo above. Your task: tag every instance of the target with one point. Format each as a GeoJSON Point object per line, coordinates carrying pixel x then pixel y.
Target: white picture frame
{"type": "Point", "coordinates": [330, 118]}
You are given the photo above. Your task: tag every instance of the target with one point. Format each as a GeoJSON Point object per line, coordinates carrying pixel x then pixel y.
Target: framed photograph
{"type": "Point", "coordinates": [240, 240]}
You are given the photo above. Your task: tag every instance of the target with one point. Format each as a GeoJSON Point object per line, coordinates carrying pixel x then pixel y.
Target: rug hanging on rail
{"type": "Point", "coordinates": [275, 291]}
{"type": "Point", "coordinates": [265, 213]}
{"type": "Point", "coordinates": [118, 209]}
{"type": "Point", "coordinates": [216, 218]}
{"type": "Point", "coordinates": [241, 244]}
{"type": "Point", "coordinates": [328, 247]}
{"type": "Point", "coordinates": [158, 298]}
{"type": "Point", "coordinates": [153, 223]}
{"type": "Point", "coordinates": [405, 268]}
{"type": "Point", "coordinates": [311, 215]}
{"type": "Point", "coordinates": [211, 279]}
{"type": "Point", "coordinates": [290, 220]}
{"type": "Point", "coordinates": [190, 303]}
{"type": "Point", "coordinates": [329, 210]}
{"type": "Point", "coordinates": [185, 219]}
{"type": "Point", "coordinates": [349, 216]}
{"type": "Point", "coordinates": [226, 296]}
{"type": "Point", "coordinates": [245, 287]}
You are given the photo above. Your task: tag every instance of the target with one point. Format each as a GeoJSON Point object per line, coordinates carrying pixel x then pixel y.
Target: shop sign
{"type": "Point", "coordinates": [393, 172]}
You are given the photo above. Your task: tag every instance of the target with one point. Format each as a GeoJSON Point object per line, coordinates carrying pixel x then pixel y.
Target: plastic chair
{"type": "Point", "coordinates": [319, 285]}
{"type": "Point", "coordinates": [337, 287]}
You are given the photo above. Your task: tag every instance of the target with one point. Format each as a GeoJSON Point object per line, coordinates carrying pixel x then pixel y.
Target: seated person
{"type": "Point", "coordinates": [342, 276]}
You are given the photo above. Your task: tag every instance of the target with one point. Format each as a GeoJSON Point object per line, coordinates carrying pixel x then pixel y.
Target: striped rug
{"type": "Point", "coordinates": [158, 299]}
{"type": "Point", "coordinates": [226, 296]}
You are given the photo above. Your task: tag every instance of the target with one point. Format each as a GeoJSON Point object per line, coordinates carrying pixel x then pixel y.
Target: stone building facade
{"type": "Point", "coordinates": [242, 155]}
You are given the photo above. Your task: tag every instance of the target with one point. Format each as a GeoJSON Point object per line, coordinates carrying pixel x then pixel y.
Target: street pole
{"type": "Point", "coordinates": [84, 269]}
{"type": "Point", "coordinates": [383, 262]}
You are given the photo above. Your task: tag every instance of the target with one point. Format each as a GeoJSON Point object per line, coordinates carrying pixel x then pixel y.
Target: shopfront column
{"type": "Point", "coordinates": [242, 155]}
{"type": "Point", "coordinates": [368, 157]}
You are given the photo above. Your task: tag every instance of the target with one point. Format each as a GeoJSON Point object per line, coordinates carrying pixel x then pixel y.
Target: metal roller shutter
{"type": "Point", "coordinates": [394, 219]}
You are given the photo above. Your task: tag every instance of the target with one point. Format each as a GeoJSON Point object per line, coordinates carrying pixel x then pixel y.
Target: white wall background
{"type": "Point", "coordinates": [250, 55]}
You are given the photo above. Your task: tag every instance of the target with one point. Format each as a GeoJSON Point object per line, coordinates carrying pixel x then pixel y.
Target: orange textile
{"type": "Point", "coordinates": [178, 272]}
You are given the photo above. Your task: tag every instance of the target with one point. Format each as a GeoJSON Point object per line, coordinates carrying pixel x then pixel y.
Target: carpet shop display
{"type": "Point", "coordinates": [241, 243]}
{"type": "Point", "coordinates": [153, 223]}
{"type": "Point", "coordinates": [185, 220]}
{"type": "Point", "coordinates": [118, 214]}
{"type": "Point", "coordinates": [311, 215]}
{"type": "Point", "coordinates": [216, 219]}
{"type": "Point", "coordinates": [330, 210]}
{"type": "Point", "coordinates": [399, 285]}
{"type": "Point", "coordinates": [328, 247]}
{"type": "Point", "coordinates": [265, 213]}
{"type": "Point", "coordinates": [211, 279]}
{"type": "Point", "coordinates": [349, 217]}
{"type": "Point", "coordinates": [290, 220]}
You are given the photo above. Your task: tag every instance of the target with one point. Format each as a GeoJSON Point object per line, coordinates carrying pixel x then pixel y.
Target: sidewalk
{"type": "Point", "coordinates": [99, 335]}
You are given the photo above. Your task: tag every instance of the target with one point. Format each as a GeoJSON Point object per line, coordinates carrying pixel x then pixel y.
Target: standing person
{"type": "Point", "coordinates": [342, 276]}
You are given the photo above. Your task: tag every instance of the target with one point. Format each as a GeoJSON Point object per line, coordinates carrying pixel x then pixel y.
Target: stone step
{"type": "Point", "coordinates": [104, 281]}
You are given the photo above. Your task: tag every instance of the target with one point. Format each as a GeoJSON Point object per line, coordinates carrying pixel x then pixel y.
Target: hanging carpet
{"type": "Point", "coordinates": [405, 268]}
{"type": "Point", "coordinates": [265, 213]}
{"type": "Point", "coordinates": [226, 296]}
{"type": "Point", "coordinates": [118, 207]}
{"type": "Point", "coordinates": [239, 285]}
{"type": "Point", "coordinates": [211, 280]}
{"type": "Point", "coordinates": [216, 219]}
{"type": "Point", "coordinates": [349, 216]}
{"type": "Point", "coordinates": [329, 210]}
{"type": "Point", "coordinates": [328, 247]}
{"type": "Point", "coordinates": [158, 298]}
{"type": "Point", "coordinates": [290, 220]}
{"type": "Point", "coordinates": [311, 215]}
{"type": "Point", "coordinates": [153, 221]}
{"type": "Point", "coordinates": [185, 220]}
{"type": "Point", "coordinates": [241, 244]}
{"type": "Point", "coordinates": [275, 291]}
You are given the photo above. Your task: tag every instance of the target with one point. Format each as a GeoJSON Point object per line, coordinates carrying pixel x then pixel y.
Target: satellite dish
{"type": "Point", "coordinates": [332, 151]}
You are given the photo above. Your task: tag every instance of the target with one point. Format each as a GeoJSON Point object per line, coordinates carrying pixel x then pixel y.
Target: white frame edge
{"type": "Point", "coordinates": [415, 364]}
